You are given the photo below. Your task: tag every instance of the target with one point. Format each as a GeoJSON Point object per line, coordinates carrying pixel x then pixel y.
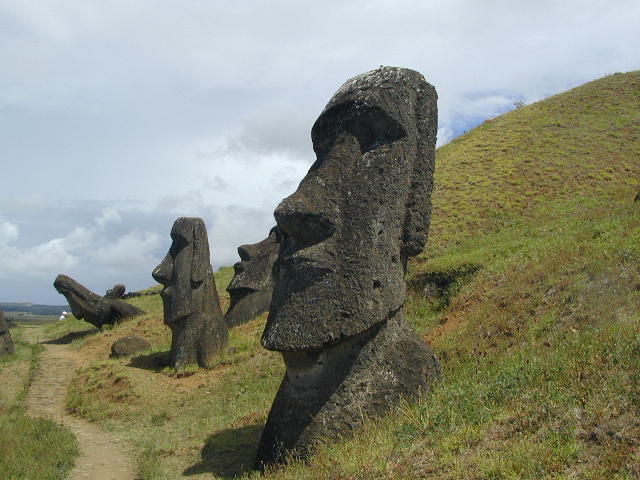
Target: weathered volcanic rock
{"type": "Point", "coordinates": [190, 300]}
{"type": "Point", "coordinates": [336, 313]}
{"type": "Point", "coordinates": [116, 292]}
{"type": "Point", "coordinates": [128, 346]}
{"type": "Point", "coordinates": [6, 343]}
{"type": "Point", "coordinates": [91, 307]}
{"type": "Point", "coordinates": [252, 285]}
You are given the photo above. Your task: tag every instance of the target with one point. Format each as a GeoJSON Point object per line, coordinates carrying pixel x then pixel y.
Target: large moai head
{"type": "Point", "coordinates": [251, 287]}
{"type": "Point", "coordinates": [189, 297]}
{"type": "Point", "coordinates": [347, 231]}
{"type": "Point", "coordinates": [185, 272]}
{"type": "Point", "coordinates": [361, 210]}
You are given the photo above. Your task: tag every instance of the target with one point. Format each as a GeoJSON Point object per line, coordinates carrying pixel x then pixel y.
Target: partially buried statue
{"type": "Point", "coordinates": [6, 343]}
{"type": "Point", "coordinates": [252, 285]}
{"type": "Point", "coordinates": [337, 309]}
{"type": "Point", "coordinates": [91, 307]}
{"type": "Point", "coordinates": [189, 297]}
{"type": "Point", "coordinates": [116, 292]}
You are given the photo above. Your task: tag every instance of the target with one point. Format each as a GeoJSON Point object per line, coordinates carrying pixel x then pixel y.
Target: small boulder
{"type": "Point", "coordinates": [128, 346]}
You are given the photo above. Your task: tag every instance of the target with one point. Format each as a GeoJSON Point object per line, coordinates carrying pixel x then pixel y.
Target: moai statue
{"type": "Point", "coordinates": [116, 292]}
{"type": "Point", "coordinates": [6, 343]}
{"type": "Point", "coordinates": [336, 313]}
{"type": "Point", "coordinates": [189, 297]}
{"type": "Point", "coordinates": [91, 307]}
{"type": "Point", "coordinates": [252, 285]}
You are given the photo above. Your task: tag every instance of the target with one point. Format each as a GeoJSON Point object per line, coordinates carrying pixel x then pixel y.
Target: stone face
{"type": "Point", "coordinates": [6, 343]}
{"type": "Point", "coordinates": [91, 307]}
{"type": "Point", "coordinates": [252, 285]}
{"type": "Point", "coordinates": [189, 297]}
{"type": "Point", "coordinates": [116, 292]}
{"type": "Point", "coordinates": [128, 346]}
{"type": "Point", "coordinates": [336, 312]}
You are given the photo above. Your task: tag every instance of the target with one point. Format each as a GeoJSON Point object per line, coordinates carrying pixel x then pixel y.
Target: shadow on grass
{"type": "Point", "coordinates": [71, 336]}
{"type": "Point", "coordinates": [155, 361]}
{"type": "Point", "coordinates": [228, 453]}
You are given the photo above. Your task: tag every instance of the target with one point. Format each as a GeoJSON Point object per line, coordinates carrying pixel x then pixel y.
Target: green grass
{"type": "Point", "coordinates": [528, 291]}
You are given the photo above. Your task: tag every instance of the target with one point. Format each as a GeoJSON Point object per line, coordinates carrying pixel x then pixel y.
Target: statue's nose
{"type": "Point", "coordinates": [244, 251]}
{"type": "Point", "coordinates": [162, 273]}
{"type": "Point", "coordinates": [304, 220]}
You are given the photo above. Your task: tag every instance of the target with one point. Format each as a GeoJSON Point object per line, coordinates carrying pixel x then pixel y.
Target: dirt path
{"type": "Point", "coordinates": [102, 454]}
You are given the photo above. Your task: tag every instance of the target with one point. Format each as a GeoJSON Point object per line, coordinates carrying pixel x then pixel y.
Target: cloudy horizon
{"type": "Point", "coordinates": [116, 118]}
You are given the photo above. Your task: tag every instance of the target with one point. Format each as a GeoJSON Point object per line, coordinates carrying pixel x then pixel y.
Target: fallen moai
{"type": "Point", "coordinates": [91, 307]}
{"type": "Point", "coordinates": [251, 287]}
{"type": "Point", "coordinates": [189, 297]}
{"type": "Point", "coordinates": [336, 314]}
{"type": "Point", "coordinates": [116, 292]}
{"type": "Point", "coordinates": [6, 343]}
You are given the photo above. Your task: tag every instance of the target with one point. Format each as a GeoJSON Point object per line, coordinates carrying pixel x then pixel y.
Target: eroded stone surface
{"type": "Point", "coordinates": [189, 297]}
{"type": "Point", "coordinates": [91, 307]}
{"type": "Point", "coordinates": [6, 343]}
{"type": "Point", "coordinates": [252, 285]}
{"type": "Point", "coordinates": [336, 313]}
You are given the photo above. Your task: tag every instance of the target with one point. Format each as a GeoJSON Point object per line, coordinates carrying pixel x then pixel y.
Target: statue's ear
{"type": "Point", "coordinates": [200, 254]}
{"type": "Point", "coordinates": [418, 206]}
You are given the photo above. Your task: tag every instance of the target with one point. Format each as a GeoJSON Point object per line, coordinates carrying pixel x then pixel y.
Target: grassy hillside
{"type": "Point", "coordinates": [581, 143]}
{"type": "Point", "coordinates": [529, 291]}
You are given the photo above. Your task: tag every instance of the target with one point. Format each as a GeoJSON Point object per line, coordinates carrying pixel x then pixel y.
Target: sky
{"type": "Point", "coordinates": [118, 117]}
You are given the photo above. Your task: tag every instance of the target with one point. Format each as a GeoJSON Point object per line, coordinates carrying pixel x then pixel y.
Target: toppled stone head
{"type": "Point", "coordinates": [91, 307]}
{"type": "Point", "coordinates": [189, 297]}
{"type": "Point", "coordinates": [252, 285]}
{"type": "Point", "coordinates": [116, 292]}
{"type": "Point", "coordinates": [6, 342]}
{"type": "Point", "coordinates": [359, 213]}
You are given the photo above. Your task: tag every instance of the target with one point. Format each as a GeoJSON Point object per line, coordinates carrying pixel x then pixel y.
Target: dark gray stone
{"type": "Point", "coordinates": [189, 297]}
{"type": "Point", "coordinates": [6, 343]}
{"type": "Point", "coordinates": [91, 307]}
{"type": "Point", "coordinates": [116, 292]}
{"type": "Point", "coordinates": [128, 346]}
{"type": "Point", "coordinates": [336, 313]}
{"type": "Point", "coordinates": [252, 285]}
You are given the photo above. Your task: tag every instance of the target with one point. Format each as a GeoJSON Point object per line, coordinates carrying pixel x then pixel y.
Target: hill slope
{"type": "Point", "coordinates": [581, 143]}
{"type": "Point", "coordinates": [529, 291]}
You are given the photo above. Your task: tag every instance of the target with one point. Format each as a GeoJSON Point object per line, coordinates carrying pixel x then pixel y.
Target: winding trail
{"type": "Point", "coordinates": [102, 454]}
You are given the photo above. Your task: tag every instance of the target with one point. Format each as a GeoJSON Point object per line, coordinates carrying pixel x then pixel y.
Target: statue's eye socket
{"type": "Point", "coordinates": [179, 243]}
{"type": "Point", "coordinates": [371, 125]}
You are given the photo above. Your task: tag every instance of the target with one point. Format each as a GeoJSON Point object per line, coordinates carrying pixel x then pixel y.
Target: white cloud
{"type": "Point", "coordinates": [8, 232]}
{"type": "Point", "coordinates": [45, 259]}
{"type": "Point", "coordinates": [108, 215]}
{"type": "Point", "coordinates": [445, 135]}
{"type": "Point", "coordinates": [131, 252]}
